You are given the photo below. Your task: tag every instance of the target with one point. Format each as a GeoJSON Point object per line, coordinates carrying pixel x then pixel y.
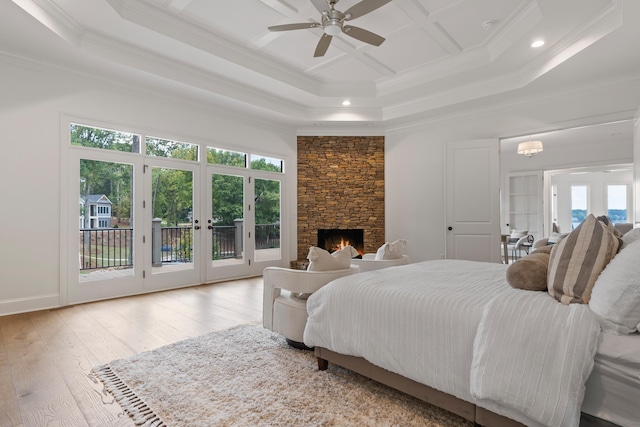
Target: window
{"type": "Point", "coordinates": [217, 156]}
{"type": "Point", "coordinates": [266, 163]}
{"type": "Point", "coordinates": [617, 202]}
{"type": "Point", "coordinates": [105, 139]}
{"type": "Point", "coordinates": [172, 149]}
{"type": "Point", "coordinates": [578, 204]}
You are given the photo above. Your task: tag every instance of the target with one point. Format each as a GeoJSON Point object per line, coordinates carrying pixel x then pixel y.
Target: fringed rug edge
{"type": "Point", "coordinates": [141, 414]}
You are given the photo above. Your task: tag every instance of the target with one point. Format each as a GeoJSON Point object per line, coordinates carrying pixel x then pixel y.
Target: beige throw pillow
{"type": "Point", "coordinates": [577, 260]}
{"type": "Point", "coordinates": [530, 272]}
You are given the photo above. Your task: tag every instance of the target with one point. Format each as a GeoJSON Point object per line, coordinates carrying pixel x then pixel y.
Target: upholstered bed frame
{"type": "Point", "coordinates": [479, 416]}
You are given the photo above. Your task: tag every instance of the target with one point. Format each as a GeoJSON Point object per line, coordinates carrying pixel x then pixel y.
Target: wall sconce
{"type": "Point", "coordinates": [530, 148]}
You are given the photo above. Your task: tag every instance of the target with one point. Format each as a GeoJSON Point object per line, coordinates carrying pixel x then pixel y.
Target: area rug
{"type": "Point", "coordinates": [248, 376]}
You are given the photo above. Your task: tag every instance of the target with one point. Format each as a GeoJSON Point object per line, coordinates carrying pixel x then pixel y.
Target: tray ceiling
{"type": "Point", "coordinates": [437, 53]}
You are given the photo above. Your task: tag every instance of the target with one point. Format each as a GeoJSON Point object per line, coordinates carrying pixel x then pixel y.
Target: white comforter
{"type": "Point", "coordinates": [421, 321]}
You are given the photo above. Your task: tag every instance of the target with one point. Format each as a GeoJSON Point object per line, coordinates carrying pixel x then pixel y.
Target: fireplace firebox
{"type": "Point", "coordinates": [334, 239]}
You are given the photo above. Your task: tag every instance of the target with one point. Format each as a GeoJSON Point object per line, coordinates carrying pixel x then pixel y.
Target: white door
{"type": "Point", "coordinates": [101, 228]}
{"type": "Point", "coordinates": [123, 235]}
{"type": "Point", "coordinates": [243, 222]}
{"type": "Point", "coordinates": [172, 224]}
{"type": "Point", "coordinates": [473, 200]}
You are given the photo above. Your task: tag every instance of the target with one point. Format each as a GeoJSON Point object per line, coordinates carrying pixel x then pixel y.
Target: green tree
{"type": "Point", "coordinates": [173, 195]}
{"type": "Point", "coordinates": [172, 149]}
{"type": "Point", "coordinates": [227, 198]}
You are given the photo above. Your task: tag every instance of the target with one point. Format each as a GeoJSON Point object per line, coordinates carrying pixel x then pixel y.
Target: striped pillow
{"type": "Point", "coordinates": [577, 260]}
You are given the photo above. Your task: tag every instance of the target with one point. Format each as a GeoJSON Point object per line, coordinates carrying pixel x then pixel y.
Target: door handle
{"type": "Point", "coordinates": [197, 227]}
{"type": "Point", "coordinates": [449, 228]}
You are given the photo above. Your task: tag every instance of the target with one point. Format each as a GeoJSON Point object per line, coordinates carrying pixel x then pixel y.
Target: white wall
{"type": "Point", "coordinates": [32, 104]}
{"type": "Point", "coordinates": [414, 156]}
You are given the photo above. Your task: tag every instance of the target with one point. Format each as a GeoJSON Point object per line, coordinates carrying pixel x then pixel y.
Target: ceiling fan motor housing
{"type": "Point", "coordinates": [332, 21]}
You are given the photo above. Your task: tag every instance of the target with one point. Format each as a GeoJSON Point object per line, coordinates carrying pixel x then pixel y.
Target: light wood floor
{"type": "Point", "coordinates": [46, 356]}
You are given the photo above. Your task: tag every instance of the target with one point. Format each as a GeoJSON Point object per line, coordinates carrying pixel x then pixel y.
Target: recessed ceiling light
{"type": "Point", "coordinates": [346, 102]}
{"type": "Point", "coordinates": [537, 43]}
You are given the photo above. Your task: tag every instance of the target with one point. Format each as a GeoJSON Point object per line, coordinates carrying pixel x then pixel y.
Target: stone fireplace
{"type": "Point", "coordinates": [340, 187]}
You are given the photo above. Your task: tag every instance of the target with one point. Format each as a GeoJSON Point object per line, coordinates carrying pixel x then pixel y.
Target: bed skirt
{"type": "Point", "coordinates": [467, 410]}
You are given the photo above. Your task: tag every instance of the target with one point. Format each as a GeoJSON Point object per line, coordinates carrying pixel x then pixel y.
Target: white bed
{"type": "Point", "coordinates": [458, 327]}
{"type": "Point", "coordinates": [614, 385]}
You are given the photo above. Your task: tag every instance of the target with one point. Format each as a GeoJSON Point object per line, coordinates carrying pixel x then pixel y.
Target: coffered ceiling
{"type": "Point", "coordinates": [438, 54]}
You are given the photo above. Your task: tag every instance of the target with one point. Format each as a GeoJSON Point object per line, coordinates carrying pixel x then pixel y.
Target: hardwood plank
{"type": "Point", "coordinates": [9, 408]}
{"type": "Point", "coordinates": [43, 396]}
{"type": "Point", "coordinates": [46, 356]}
{"type": "Point", "coordinates": [190, 320]}
{"type": "Point", "coordinates": [130, 333]}
{"type": "Point", "coordinates": [104, 345]}
{"type": "Point", "coordinates": [74, 362]}
{"type": "Point", "coordinates": [199, 307]}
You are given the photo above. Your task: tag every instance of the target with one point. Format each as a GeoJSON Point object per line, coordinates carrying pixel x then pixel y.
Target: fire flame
{"type": "Point", "coordinates": [343, 244]}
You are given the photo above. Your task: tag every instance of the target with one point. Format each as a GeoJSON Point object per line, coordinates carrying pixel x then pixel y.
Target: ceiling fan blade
{"type": "Point", "coordinates": [364, 7]}
{"type": "Point", "coordinates": [321, 5]}
{"type": "Point", "coordinates": [363, 35]}
{"type": "Point", "coordinates": [288, 27]}
{"type": "Point", "coordinates": [323, 45]}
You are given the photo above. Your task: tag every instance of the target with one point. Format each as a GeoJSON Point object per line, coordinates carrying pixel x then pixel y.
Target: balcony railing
{"type": "Point", "coordinates": [112, 247]}
{"type": "Point", "coordinates": [106, 248]}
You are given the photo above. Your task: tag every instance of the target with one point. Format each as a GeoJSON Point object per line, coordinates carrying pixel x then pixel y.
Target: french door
{"type": "Point", "coordinates": [125, 239]}
{"type": "Point", "coordinates": [135, 223]}
{"type": "Point", "coordinates": [243, 222]}
{"type": "Point", "coordinates": [172, 224]}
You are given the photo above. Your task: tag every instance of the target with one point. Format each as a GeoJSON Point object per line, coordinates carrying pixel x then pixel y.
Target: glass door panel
{"type": "Point", "coordinates": [227, 222]}
{"type": "Point", "coordinates": [172, 236]}
{"type": "Point", "coordinates": [617, 203]}
{"type": "Point", "coordinates": [267, 219]}
{"type": "Point", "coordinates": [579, 204]}
{"type": "Point", "coordinates": [106, 233]}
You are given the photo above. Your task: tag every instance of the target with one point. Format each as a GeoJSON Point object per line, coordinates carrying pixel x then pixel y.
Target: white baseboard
{"type": "Point", "coordinates": [24, 305]}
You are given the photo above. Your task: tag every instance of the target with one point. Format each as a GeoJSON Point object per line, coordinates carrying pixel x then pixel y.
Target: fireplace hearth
{"type": "Point", "coordinates": [334, 239]}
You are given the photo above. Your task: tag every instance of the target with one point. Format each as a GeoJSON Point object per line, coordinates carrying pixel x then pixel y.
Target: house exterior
{"type": "Point", "coordinates": [52, 75]}
{"type": "Point", "coordinates": [98, 211]}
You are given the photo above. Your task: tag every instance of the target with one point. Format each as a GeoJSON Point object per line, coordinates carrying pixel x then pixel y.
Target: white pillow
{"type": "Point", "coordinates": [321, 260]}
{"type": "Point", "coordinates": [615, 299]}
{"type": "Point", "coordinates": [630, 237]}
{"type": "Point", "coordinates": [391, 250]}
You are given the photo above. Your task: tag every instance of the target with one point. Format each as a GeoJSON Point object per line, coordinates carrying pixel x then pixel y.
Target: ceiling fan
{"type": "Point", "coordinates": [333, 23]}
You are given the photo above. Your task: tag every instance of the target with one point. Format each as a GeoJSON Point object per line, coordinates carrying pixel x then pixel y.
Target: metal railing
{"type": "Point", "coordinates": [113, 247]}
{"type": "Point", "coordinates": [176, 244]}
{"type": "Point", "coordinates": [106, 248]}
{"type": "Point", "coordinates": [267, 236]}
{"type": "Point", "coordinates": [224, 242]}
